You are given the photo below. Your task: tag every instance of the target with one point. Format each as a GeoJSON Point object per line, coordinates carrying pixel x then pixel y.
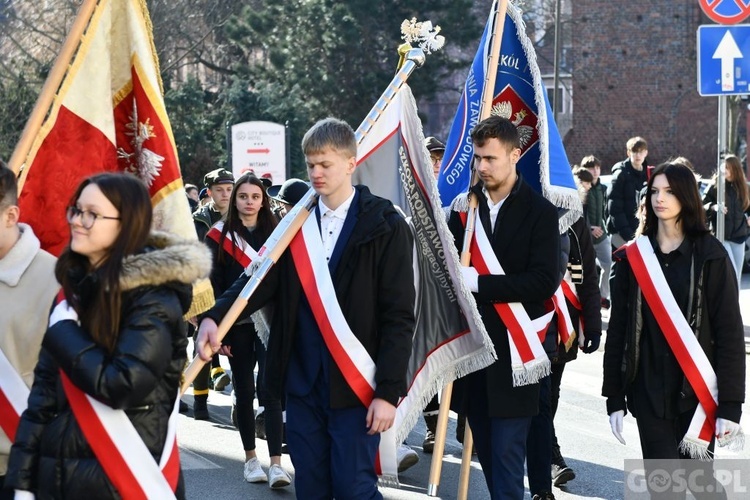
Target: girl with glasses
{"type": "Point", "coordinates": [112, 356]}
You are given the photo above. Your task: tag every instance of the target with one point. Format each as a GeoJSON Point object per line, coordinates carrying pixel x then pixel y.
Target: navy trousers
{"type": "Point", "coordinates": [500, 445]}
{"type": "Point", "coordinates": [332, 453]}
{"type": "Point", "coordinates": [539, 443]}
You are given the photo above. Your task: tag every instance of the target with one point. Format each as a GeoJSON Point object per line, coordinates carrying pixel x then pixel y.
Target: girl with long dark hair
{"type": "Point", "coordinates": [234, 242]}
{"type": "Point", "coordinates": [736, 211]}
{"type": "Point", "coordinates": [112, 357]}
{"type": "Point", "coordinates": [675, 354]}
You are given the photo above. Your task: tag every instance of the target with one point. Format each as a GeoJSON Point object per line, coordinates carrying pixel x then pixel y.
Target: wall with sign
{"type": "Point", "coordinates": [259, 147]}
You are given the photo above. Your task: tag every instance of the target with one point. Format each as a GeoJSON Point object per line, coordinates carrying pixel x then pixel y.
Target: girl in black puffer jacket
{"type": "Point", "coordinates": [118, 337]}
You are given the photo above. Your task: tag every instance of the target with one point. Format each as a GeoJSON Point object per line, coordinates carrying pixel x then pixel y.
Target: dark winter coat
{"type": "Point", "coordinates": [736, 229]}
{"type": "Point", "coordinates": [526, 241]}
{"type": "Point", "coordinates": [204, 218]}
{"type": "Point", "coordinates": [586, 282]}
{"type": "Point", "coordinates": [715, 319]}
{"type": "Point", "coordinates": [623, 199]}
{"type": "Point", "coordinates": [51, 456]}
{"type": "Point", "coordinates": [596, 208]}
{"type": "Point", "coordinates": [375, 289]}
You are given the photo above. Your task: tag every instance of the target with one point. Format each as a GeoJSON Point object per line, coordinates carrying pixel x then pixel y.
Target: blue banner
{"type": "Point", "coordinates": [521, 97]}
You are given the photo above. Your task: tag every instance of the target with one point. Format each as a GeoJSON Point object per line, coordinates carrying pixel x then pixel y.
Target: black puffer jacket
{"type": "Point", "coordinates": [623, 199]}
{"type": "Point", "coordinates": [51, 456]}
{"type": "Point", "coordinates": [715, 319]}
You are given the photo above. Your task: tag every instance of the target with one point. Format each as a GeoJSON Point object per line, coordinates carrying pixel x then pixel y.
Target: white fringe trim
{"type": "Point", "coordinates": [385, 481]}
{"type": "Point", "coordinates": [735, 443]}
{"type": "Point", "coordinates": [695, 448]}
{"type": "Point", "coordinates": [262, 320]}
{"type": "Point", "coordinates": [531, 372]}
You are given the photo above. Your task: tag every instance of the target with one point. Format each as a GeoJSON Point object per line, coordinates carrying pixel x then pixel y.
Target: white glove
{"type": "Point", "coordinates": [471, 278]}
{"type": "Point", "coordinates": [62, 312]}
{"type": "Point", "coordinates": [615, 422]}
{"type": "Point", "coordinates": [726, 430]}
{"type": "Point", "coordinates": [24, 495]}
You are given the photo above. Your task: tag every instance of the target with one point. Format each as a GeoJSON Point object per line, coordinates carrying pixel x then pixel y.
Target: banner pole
{"type": "Point", "coordinates": [47, 94]}
{"type": "Point", "coordinates": [282, 236]}
{"type": "Point", "coordinates": [501, 8]}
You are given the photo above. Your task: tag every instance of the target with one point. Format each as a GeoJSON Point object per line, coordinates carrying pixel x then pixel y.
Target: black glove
{"type": "Point", "coordinates": [591, 342]}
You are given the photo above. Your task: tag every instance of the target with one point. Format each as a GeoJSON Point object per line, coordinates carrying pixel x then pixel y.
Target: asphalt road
{"type": "Point", "coordinates": [212, 456]}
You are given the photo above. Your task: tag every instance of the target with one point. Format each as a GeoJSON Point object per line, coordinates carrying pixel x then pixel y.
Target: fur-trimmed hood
{"type": "Point", "coordinates": [167, 259]}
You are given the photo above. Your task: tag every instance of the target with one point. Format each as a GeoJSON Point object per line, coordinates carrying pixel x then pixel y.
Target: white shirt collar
{"type": "Point", "coordinates": [342, 209]}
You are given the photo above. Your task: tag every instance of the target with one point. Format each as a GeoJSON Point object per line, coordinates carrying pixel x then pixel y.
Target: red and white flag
{"type": "Point", "coordinates": [108, 115]}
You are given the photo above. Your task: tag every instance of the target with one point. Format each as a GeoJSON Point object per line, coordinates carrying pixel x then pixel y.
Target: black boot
{"type": "Point", "coordinates": [561, 473]}
{"type": "Point", "coordinates": [200, 407]}
{"type": "Point", "coordinates": [429, 438]}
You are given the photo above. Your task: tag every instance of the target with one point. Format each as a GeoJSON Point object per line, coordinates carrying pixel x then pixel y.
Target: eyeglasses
{"type": "Point", "coordinates": [87, 217]}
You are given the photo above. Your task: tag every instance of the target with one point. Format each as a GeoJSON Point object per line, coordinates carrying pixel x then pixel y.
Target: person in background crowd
{"type": "Point", "coordinates": [437, 150]}
{"type": "Point", "coordinates": [27, 287]}
{"type": "Point", "coordinates": [248, 223]}
{"type": "Point", "coordinates": [628, 178]}
{"type": "Point", "coordinates": [117, 335]}
{"type": "Point", "coordinates": [287, 195]}
{"type": "Point", "coordinates": [191, 191]}
{"type": "Point", "coordinates": [219, 184]}
{"type": "Point", "coordinates": [522, 231]}
{"type": "Point", "coordinates": [203, 198]}
{"type": "Point", "coordinates": [736, 211]}
{"type": "Point", "coordinates": [595, 210]}
{"type": "Point", "coordinates": [585, 314]}
{"type": "Point", "coordinates": [672, 312]}
{"type": "Point", "coordinates": [366, 247]}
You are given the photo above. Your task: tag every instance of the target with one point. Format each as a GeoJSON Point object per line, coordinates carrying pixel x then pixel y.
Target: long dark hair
{"type": "Point", "coordinates": [100, 314]}
{"type": "Point", "coordinates": [738, 180]}
{"type": "Point", "coordinates": [232, 221]}
{"type": "Point", "coordinates": [682, 182]}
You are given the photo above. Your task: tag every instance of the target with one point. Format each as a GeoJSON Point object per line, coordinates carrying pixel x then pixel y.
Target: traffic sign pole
{"type": "Point", "coordinates": [720, 168]}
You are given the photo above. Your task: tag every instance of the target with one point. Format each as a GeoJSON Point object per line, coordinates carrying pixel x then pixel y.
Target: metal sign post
{"type": "Point", "coordinates": [720, 167]}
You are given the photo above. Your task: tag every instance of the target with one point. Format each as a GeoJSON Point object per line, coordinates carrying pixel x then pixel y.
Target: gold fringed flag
{"type": "Point", "coordinates": [108, 115]}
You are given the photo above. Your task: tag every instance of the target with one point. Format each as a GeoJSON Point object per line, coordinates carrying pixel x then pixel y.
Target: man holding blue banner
{"type": "Point", "coordinates": [515, 255]}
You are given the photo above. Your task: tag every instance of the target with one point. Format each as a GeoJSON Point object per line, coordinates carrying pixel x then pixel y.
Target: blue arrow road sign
{"type": "Point", "coordinates": [724, 59]}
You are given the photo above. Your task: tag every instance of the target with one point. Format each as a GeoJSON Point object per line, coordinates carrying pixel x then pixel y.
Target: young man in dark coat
{"type": "Point", "coordinates": [332, 436]}
{"type": "Point", "coordinates": [523, 232]}
{"type": "Point", "coordinates": [219, 183]}
{"type": "Point", "coordinates": [628, 178]}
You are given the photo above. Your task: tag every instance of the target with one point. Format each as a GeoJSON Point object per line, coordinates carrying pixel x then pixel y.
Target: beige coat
{"type": "Point", "coordinates": [27, 288]}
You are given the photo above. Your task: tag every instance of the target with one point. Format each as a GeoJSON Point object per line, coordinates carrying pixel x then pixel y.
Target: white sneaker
{"type": "Point", "coordinates": [254, 472]}
{"type": "Point", "coordinates": [277, 477]}
{"type": "Point", "coordinates": [406, 457]}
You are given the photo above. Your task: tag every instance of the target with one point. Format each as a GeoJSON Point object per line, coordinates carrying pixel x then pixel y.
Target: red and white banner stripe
{"type": "Point", "coordinates": [13, 396]}
{"type": "Point", "coordinates": [120, 450]}
{"type": "Point", "coordinates": [683, 342]}
{"type": "Point", "coordinates": [244, 254]}
{"type": "Point", "coordinates": [347, 351]}
{"type": "Point", "coordinates": [529, 361]}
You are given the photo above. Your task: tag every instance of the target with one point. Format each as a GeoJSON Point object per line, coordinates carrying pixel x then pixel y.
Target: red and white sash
{"type": "Point", "coordinates": [244, 254]}
{"type": "Point", "coordinates": [565, 331]}
{"type": "Point", "coordinates": [529, 361]}
{"type": "Point", "coordinates": [13, 396]}
{"type": "Point", "coordinates": [119, 448]}
{"type": "Point", "coordinates": [347, 351]}
{"type": "Point", "coordinates": [684, 344]}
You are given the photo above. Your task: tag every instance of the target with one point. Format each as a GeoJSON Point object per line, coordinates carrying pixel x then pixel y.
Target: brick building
{"type": "Point", "coordinates": [634, 73]}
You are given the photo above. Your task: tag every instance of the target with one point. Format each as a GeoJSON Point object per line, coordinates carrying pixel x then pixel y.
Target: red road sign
{"type": "Point", "coordinates": [726, 11]}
